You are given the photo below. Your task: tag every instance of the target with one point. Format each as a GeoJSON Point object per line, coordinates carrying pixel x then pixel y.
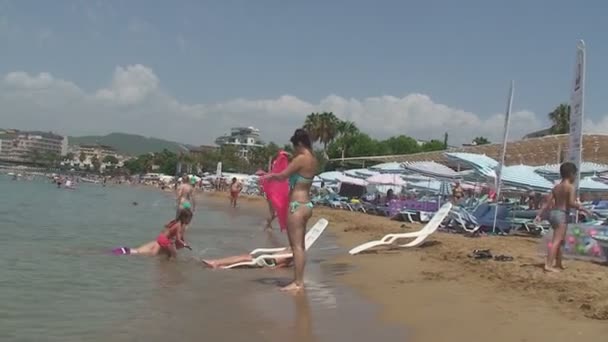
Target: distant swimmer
{"type": "Point", "coordinates": [170, 239]}
{"type": "Point", "coordinates": [185, 196]}
{"type": "Point", "coordinates": [135, 203]}
{"type": "Point", "coordinates": [235, 190]}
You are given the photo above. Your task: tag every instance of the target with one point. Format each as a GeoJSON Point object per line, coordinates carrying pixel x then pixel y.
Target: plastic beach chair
{"type": "Point", "coordinates": [261, 255]}
{"type": "Point", "coordinates": [418, 237]}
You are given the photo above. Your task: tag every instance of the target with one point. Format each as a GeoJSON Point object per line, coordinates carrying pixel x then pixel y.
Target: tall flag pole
{"type": "Point", "coordinates": [505, 138]}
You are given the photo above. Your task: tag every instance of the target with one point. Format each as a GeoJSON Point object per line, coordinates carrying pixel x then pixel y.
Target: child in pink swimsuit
{"type": "Point", "coordinates": [168, 241]}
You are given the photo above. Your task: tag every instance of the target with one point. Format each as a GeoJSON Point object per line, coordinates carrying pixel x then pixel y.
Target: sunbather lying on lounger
{"type": "Point", "coordinates": [267, 262]}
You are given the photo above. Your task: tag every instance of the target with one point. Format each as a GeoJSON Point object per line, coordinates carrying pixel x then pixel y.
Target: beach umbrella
{"type": "Point", "coordinates": [588, 184]}
{"type": "Point", "coordinates": [386, 179]}
{"type": "Point", "coordinates": [587, 169]}
{"type": "Point", "coordinates": [330, 176]}
{"type": "Point", "coordinates": [431, 169]}
{"type": "Point", "coordinates": [445, 189]}
{"type": "Point", "coordinates": [388, 168]}
{"type": "Point", "coordinates": [351, 180]}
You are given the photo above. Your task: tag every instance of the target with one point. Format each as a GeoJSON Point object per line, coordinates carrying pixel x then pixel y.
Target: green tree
{"type": "Point", "coordinates": [433, 145]}
{"type": "Point", "coordinates": [69, 156]}
{"type": "Point", "coordinates": [346, 130]}
{"type": "Point", "coordinates": [401, 145]}
{"type": "Point", "coordinates": [95, 162]}
{"type": "Point", "coordinates": [560, 119]}
{"type": "Point", "coordinates": [82, 157]}
{"type": "Point", "coordinates": [481, 141]}
{"type": "Point", "coordinates": [110, 160]}
{"type": "Point", "coordinates": [258, 158]}
{"type": "Point", "coordinates": [322, 127]}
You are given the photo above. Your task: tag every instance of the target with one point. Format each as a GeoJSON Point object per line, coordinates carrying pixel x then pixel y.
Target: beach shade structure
{"type": "Point", "coordinates": [351, 180]}
{"type": "Point", "coordinates": [383, 182]}
{"type": "Point", "coordinates": [417, 237]}
{"type": "Point", "coordinates": [351, 187]}
{"type": "Point", "coordinates": [478, 162]}
{"type": "Point", "coordinates": [360, 173]}
{"type": "Point", "coordinates": [430, 185]}
{"type": "Point", "coordinates": [431, 169]}
{"type": "Point", "coordinates": [523, 177]}
{"type": "Point", "coordinates": [588, 184]}
{"type": "Point", "coordinates": [262, 258]}
{"type": "Point", "coordinates": [386, 179]}
{"type": "Point", "coordinates": [587, 169]}
{"type": "Point", "coordinates": [330, 176]}
{"type": "Point", "coordinates": [388, 168]}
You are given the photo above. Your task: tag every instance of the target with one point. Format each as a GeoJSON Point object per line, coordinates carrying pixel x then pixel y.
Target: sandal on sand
{"type": "Point", "coordinates": [481, 254]}
{"type": "Point", "coordinates": [503, 258]}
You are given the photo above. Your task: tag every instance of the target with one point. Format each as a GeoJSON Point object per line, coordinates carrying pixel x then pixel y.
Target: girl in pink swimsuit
{"type": "Point", "coordinates": [168, 241]}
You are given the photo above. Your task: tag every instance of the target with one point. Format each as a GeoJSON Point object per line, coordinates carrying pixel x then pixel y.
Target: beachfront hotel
{"type": "Point", "coordinates": [243, 138]}
{"type": "Point", "coordinates": [20, 146]}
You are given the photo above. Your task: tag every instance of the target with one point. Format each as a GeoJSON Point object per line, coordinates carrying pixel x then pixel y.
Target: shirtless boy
{"type": "Point", "coordinates": [560, 201]}
{"type": "Point", "coordinates": [235, 190]}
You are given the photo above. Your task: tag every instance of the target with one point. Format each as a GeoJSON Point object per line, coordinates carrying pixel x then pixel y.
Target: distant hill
{"type": "Point", "coordinates": [129, 144]}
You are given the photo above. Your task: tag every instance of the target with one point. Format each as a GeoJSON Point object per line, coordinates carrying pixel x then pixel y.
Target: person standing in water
{"type": "Point", "coordinates": [185, 196]}
{"type": "Point", "coordinates": [235, 190]}
{"type": "Point", "coordinates": [560, 201]}
{"type": "Point", "coordinates": [300, 172]}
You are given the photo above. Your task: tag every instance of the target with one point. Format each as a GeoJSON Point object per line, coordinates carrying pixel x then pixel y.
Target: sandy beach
{"type": "Point", "coordinates": [438, 293]}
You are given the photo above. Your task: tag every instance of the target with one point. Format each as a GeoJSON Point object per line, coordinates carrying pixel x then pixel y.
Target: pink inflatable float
{"type": "Point", "coordinates": [277, 192]}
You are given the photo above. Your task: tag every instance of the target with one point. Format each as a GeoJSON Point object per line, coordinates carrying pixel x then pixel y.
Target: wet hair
{"type": "Point", "coordinates": [233, 179]}
{"type": "Point", "coordinates": [301, 138]}
{"type": "Point", "coordinates": [185, 178]}
{"type": "Point", "coordinates": [567, 170]}
{"type": "Point", "coordinates": [184, 216]}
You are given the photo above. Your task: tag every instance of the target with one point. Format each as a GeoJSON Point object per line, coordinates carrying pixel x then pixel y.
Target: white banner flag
{"type": "Point", "coordinates": [503, 154]}
{"type": "Point", "coordinates": [577, 110]}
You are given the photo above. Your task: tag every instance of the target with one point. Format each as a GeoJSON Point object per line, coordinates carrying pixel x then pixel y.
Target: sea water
{"type": "Point", "coordinates": [58, 281]}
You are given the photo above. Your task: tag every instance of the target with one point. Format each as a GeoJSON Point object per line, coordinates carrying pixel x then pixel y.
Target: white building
{"type": "Point", "coordinates": [243, 138]}
{"type": "Point", "coordinates": [21, 146]}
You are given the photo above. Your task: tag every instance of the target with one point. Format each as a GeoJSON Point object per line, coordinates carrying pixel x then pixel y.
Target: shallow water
{"type": "Point", "coordinates": [58, 283]}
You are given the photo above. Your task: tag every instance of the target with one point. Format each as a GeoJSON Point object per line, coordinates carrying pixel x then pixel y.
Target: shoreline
{"type": "Point", "coordinates": [437, 293]}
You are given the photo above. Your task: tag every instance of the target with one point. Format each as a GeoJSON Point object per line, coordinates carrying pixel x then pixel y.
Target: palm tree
{"type": "Point", "coordinates": [322, 127]}
{"type": "Point", "coordinates": [328, 129]}
{"type": "Point", "coordinates": [560, 119]}
{"type": "Point", "coordinates": [346, 130]}
{"type": "Point", "coordinates": [312, 125]}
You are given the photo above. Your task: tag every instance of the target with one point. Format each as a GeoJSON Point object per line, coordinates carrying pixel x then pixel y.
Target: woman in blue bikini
{"type": "Point", "coordinates": [300, 172]}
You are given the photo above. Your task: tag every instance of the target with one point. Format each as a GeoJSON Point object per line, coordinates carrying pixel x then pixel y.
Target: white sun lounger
{"type": "Point", "coordinates": [418, 236]}
{"type": "Point", "coordinates": [261, 255]}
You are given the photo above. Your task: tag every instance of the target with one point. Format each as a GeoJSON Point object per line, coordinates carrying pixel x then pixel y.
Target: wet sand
{"type": "Point", "coordinates": [438, 293]}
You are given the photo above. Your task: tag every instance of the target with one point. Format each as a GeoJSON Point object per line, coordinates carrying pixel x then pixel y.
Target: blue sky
{"type": "Point", "coordinates": [412, 67]}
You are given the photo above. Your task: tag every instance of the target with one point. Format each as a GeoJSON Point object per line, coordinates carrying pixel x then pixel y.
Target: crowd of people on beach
{"type": "Point", "coordinates": [299, 173]}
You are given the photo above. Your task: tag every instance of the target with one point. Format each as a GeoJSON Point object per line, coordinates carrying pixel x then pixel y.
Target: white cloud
{"type": "Point", "coordinates": [130, 85]}
{"type": "Point", "coordinates": [134, 101]}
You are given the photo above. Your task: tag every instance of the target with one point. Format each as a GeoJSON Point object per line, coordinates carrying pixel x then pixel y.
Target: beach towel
{"type": "Point", "coordinates": [277, 192]}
